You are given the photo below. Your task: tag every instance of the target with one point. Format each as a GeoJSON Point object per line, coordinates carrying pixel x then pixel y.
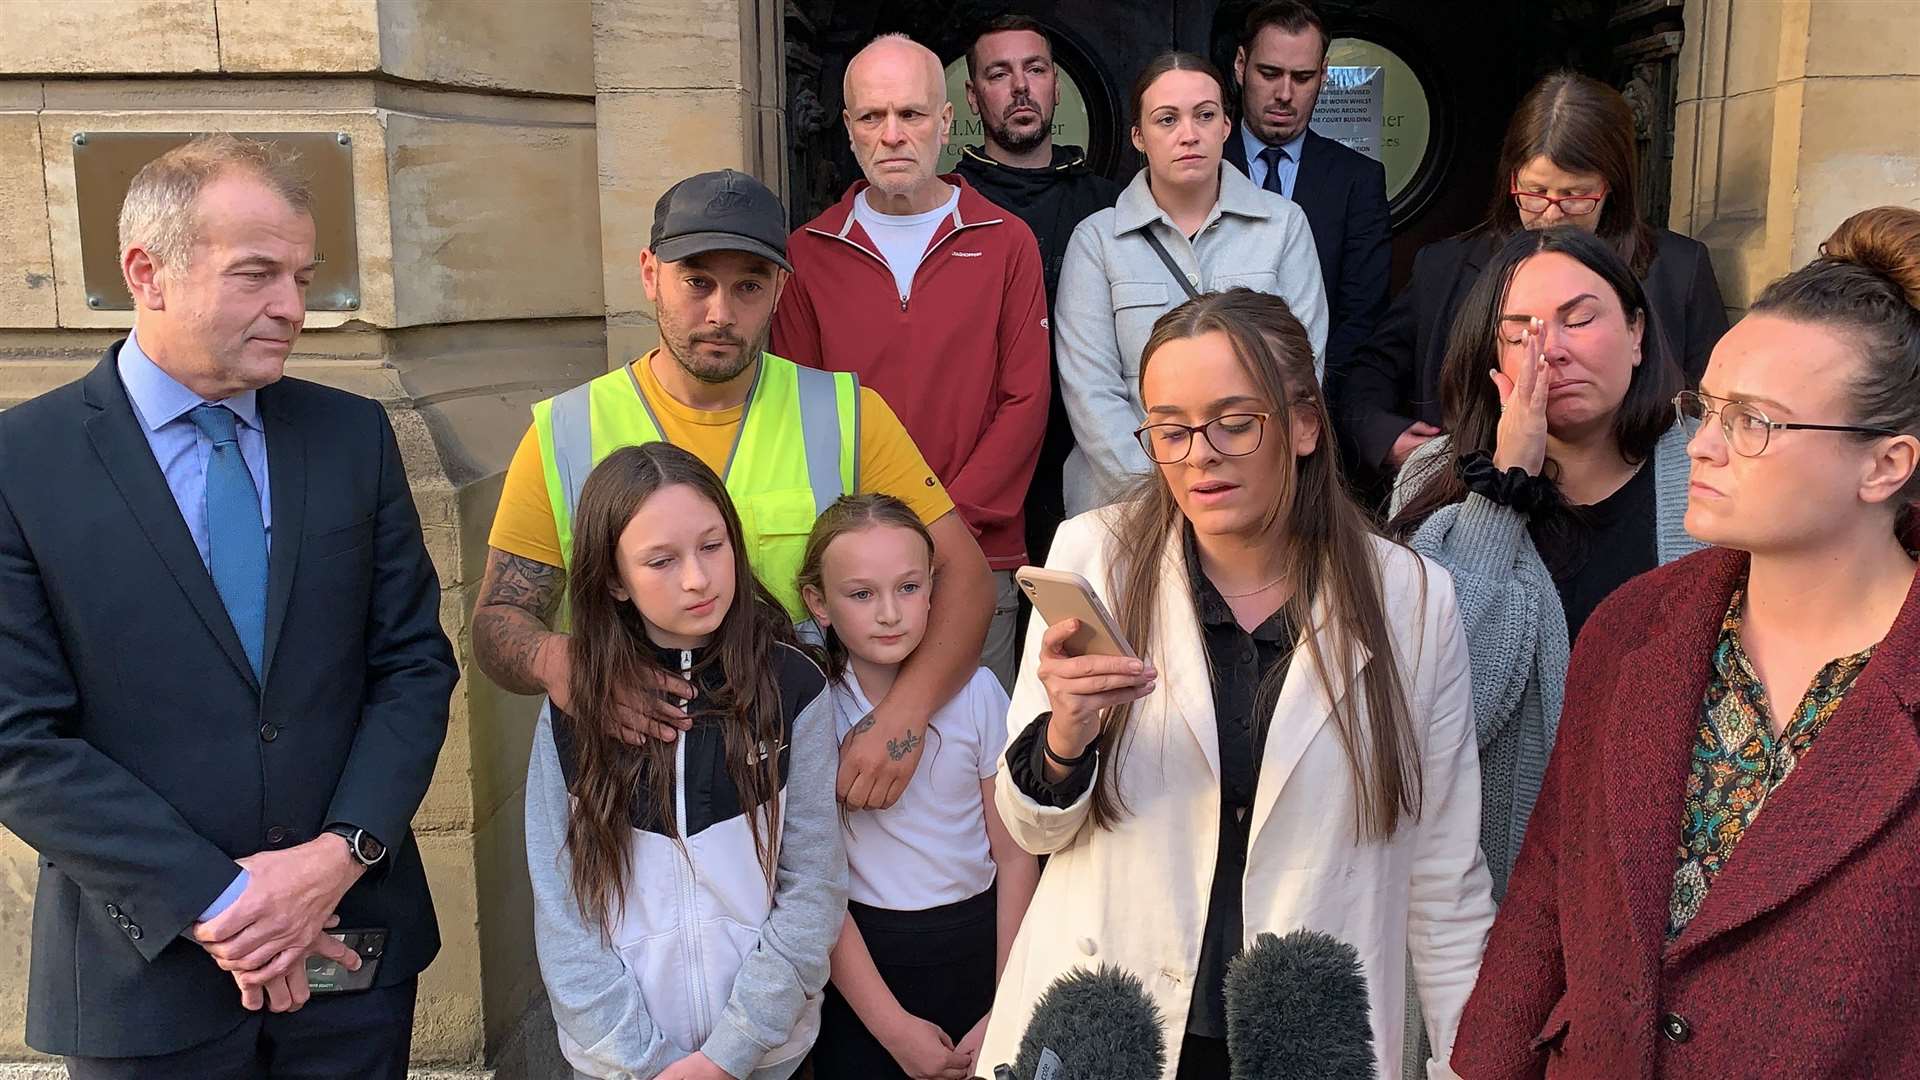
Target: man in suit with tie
{"type": "Point", "coordinates": [223, 683]}
{"type": "Point", "coordinates": [1280, 66]}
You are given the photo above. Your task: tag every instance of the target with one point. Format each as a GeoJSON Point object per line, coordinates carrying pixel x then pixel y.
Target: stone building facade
{"type": "Point", "coordinates": [507, 155]}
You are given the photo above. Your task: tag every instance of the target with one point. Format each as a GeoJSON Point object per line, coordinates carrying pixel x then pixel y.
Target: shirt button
{"type": "Point", "coordinates": [268, 733]}
{"type": "Point", "coordinates": [1088, 947]}
{"type": "Point", "coordinates": [277, 834]}
{"type": "Point", "coordinates": [1675, 1028]}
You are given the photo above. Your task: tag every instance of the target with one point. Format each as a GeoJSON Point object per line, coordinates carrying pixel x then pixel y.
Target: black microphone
{"type": "Point", "coordinates": [1092, 1025]}
{"type": "Point", "coordinates": [1297, 1010]}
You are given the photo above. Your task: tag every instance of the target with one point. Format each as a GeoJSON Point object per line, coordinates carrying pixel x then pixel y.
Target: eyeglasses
{"type": "Point", "coordinates": [1534, 202]}
{"type": "Point", "coordinates": [1231, 435]}
{"type": "Point", "coordinates": [1747, 428]}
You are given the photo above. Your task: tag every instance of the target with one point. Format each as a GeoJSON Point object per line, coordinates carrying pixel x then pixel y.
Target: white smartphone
{"type": "Point", "coordinates": [1059, 595]}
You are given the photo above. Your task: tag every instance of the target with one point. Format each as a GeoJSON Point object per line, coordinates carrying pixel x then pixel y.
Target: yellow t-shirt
{"type": "Point", "coordinates": [889, 463]}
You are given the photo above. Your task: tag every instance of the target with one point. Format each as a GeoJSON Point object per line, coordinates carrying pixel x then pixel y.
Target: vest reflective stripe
{"type": "Point", "coordinates": [781, 474]}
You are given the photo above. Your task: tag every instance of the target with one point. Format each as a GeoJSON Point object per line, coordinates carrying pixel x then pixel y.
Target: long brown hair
{"type": "Point", "coordinates": [1470, 403]}
{"type": "Point", "coordinates": [612, 656]}
{"type": "Point", "coordinates": [1582, 125]}
{"type": "Point", "coordinates": [851, 513]}
{"type": "Point", "coordinates": [1330, 553]}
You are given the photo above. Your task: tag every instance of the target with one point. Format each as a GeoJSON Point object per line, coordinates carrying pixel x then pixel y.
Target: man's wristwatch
{"type": "Point", "coordinates": [360, 844]}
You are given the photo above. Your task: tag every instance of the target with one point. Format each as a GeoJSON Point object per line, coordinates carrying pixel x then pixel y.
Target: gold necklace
{"type": "Point", "coordinates": [1255, 592]}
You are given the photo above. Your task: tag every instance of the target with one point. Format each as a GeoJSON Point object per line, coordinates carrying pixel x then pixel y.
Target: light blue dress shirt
{"type": "Point", "coordinates": [161, 405]}
{"type": "Point", "coordinates": [1289, 165]}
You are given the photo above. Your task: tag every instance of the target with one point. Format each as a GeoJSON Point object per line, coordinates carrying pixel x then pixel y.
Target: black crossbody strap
{"type": "Point", "coordinates": [1173, 268]}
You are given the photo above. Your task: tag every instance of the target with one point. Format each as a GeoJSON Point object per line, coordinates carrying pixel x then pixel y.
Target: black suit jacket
{"type": "Point", "coordinates": [1344, 195]}
{"type": "Point", "coordinates": [138, 755]}
{"type": "Point", "coordinates": [1395, 376]}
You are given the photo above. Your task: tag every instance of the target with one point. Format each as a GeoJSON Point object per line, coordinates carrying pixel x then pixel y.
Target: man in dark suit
{"type": "Point", "coordinates": [1281, 65]}
{"type": "Point", "coordinates": [223, 683]}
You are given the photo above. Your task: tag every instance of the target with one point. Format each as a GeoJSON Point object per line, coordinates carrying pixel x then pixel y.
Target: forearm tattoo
{"type": "Point", "coordinates": [517, 601]}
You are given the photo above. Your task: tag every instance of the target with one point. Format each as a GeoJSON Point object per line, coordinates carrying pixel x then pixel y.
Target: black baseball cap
{"type": "Point", "coordinates": [720, 211]}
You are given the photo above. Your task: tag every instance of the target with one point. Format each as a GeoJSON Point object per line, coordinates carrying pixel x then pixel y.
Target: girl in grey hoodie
{"type": "Point", "coordinates": [686, 893]}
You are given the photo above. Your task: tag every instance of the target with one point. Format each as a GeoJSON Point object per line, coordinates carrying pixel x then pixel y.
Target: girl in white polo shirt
{"type": "Point", "coordinates": [938, 885]}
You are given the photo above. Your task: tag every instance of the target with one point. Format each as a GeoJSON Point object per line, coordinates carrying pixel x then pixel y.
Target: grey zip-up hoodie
{"type": "Point", "coordinates": [702, 957]}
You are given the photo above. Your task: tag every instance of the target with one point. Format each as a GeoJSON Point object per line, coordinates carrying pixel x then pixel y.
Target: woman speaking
{"type": "Point", "coordinates": [1295, 747]}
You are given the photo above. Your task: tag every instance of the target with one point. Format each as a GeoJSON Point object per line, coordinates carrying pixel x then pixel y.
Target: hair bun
{"type": "Point", "coordinates": [1885, 240]}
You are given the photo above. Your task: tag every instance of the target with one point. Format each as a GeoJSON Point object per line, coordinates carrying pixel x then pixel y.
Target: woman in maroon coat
{"type": "Point", "coordinates": [1722, 876]}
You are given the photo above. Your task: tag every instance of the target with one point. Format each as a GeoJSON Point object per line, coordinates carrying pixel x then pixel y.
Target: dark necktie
{"type": "Point", "coordinates": [1273, 156]}
{"type": "Point", "coordinates": [236, 535]}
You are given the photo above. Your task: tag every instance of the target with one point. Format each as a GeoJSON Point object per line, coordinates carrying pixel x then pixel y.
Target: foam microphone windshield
{"type": "Point", "coordinates": [1297, 1010]}
{"type": "Point", "coordinates": [1093, 1025]}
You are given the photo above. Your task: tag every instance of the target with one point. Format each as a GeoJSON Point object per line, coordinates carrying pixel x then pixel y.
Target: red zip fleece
{"type": "Point", "coordinates": [963, 361]}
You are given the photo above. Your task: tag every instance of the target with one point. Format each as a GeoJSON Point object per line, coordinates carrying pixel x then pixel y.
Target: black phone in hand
{"type": "Point", "coordinates": [326, 976]}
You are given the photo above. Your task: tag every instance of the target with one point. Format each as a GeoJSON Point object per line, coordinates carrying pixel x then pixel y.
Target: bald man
{"type": "Point", "coordinates": [934, 297]}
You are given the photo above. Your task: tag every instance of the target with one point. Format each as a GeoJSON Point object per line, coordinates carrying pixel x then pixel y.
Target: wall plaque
{"type": "Point", "coordinates": [104, 163]}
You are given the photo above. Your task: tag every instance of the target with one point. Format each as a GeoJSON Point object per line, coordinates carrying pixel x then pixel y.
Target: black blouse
{"type": "Point", "coordinates": [1597, 548]}
{"type": "Point", "coordinates": [1241, 663]}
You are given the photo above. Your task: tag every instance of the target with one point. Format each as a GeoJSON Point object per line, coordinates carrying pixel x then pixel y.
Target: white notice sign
{"type": "Point", "coordinates": [1349, 110]}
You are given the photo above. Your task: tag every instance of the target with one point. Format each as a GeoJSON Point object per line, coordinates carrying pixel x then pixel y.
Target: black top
{"type": "Point", "coordinates": [1394, 377]}
{"type": "Point", "coordinates": [1241, 663]}
{"type": "Point", "coordinates": [1597, 548]}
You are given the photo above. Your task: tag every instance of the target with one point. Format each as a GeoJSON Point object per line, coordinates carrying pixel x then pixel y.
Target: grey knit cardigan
{"type": "Point", "coordinates": [1516, 630]}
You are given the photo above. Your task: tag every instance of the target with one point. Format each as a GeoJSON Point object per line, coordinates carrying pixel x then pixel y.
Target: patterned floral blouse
{"type": "Point", "coordinates": [1737, 761]}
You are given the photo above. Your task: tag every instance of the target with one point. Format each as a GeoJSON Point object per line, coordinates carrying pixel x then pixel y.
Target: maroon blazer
{"type": "Point", "coordinates": [1804, 961]}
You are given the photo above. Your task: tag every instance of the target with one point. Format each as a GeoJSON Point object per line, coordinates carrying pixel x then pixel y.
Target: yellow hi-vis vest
{"type": "Point", "coordinates": [797, 450]}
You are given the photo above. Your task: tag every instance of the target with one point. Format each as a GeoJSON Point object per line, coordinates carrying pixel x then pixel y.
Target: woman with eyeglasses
{"type": "Point", "coordinates": [1294, 747]}
{"type": "Point", "coordinates": [1723, 870]}
{"type": "Point", "coordinates": [1564, 475]}
{"type": "Point", "coordinates": [1568, 159]}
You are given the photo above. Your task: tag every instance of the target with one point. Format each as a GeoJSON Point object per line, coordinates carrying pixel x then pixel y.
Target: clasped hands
{"type": "Point", "coordinates": [265, 936]}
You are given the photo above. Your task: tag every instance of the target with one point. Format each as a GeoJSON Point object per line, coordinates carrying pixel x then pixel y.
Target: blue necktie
{"type": "Point", "coordinates": [236, 536]}
{"type": "Point", "coordinates": [1273, 156]}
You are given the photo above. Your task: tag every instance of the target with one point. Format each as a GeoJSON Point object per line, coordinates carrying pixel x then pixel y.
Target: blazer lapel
{"type": "Point", "coordinates": [117, 438]}
{"type": "Point", "coordinates": [1656, 718]}
{"type": "Point", "coordinates": [1861, 771]}
{"type": "Point", "coordinates": [1305, 704]}
{"type": "Point", "coordinates": [1187, 687]}
{"type": "Point", "coordinates": [287, 479]}
{"type": "Point", "coordinates": [1235, 151]}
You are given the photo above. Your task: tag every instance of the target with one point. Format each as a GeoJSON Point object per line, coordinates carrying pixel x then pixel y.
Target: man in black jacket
{"type": "Point", "coordinates": [223, 682]}
{"type": "Point", "coordinates": [1281, 66]}
{"type": "Point", "coordinates": [1013, 86]}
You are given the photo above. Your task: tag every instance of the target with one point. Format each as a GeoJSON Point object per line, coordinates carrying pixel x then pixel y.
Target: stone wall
{"type": "Point", "coordinates": [1792, 115]}
{"type": "Point", "coordinates": [477, 217]}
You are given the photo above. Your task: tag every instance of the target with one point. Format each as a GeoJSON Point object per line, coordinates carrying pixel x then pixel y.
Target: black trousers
{"type": "Point", "coordinates": [354, 1036]}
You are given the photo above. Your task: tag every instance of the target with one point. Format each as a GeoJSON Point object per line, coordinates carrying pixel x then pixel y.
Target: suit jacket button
{"type": "Point", "coordinates": [268, 733]}
{"type": "Point", "coordinates": [122, 921]}
{"type": "Point", "coordinates": [1675, 1028]}
{"type": "Point", "coordinates": [133, 932]}
{"type": "Point", "coordinates": [112, 912]}
{"type": "Point", "coordinates": [277, 834]}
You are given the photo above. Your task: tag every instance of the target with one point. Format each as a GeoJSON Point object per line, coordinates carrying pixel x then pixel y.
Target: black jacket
{"type": "Point", "coordinates": [1344, 194]}
{"type": "Point", "coordinates": [140, 757]}
{"type": "Point", "coordinates": [1395, 377]}
{"type": "Point", "coordinates": [1051, 201]}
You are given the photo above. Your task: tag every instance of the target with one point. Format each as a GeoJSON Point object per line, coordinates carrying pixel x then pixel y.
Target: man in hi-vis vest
{"type": "Point", "coordinates": [787, 440]}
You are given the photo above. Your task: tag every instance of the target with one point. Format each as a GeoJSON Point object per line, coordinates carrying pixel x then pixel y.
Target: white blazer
{"type": "Point", "coordinates": [1136, 895]}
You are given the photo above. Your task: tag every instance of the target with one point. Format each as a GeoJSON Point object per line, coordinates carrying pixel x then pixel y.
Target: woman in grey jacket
{"type": "Point", "coordinates": [1216, 230]}
{"type": "Point", "coordinates": [686, 893]}
{"type": "Point", "coordinates": [1564, 475]}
